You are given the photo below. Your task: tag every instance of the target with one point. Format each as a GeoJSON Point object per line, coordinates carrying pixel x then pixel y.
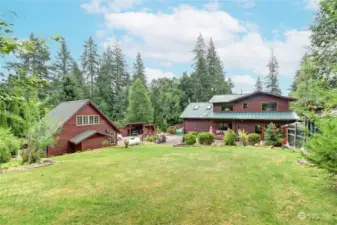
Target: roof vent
{"type": "Point", "coordinates": [196, 107]}
{"type": "Point", "coordinates": [209, 107]}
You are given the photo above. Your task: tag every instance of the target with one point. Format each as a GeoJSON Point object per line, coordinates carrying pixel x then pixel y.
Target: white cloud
{"type": "Point", "coordinates": [245, 3]}
{"type": "Point", "coordinates": [213, 5]}
{"type": "Point", "coordinates": [100, 33]}
{"type": "Point", "coordinates": [156, 73]}
{"type": "Point", "coordinates": [312, 4]}
{"type": "Point", "coordinates": [244, 83]}
{"type": "Point", "coordinates": [105, 6]}
{"type": "Point", "coordinates": [169, 38]}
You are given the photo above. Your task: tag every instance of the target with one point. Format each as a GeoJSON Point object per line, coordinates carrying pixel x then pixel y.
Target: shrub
{"type": "Point", "coordinates": [273, 135]}
{"type": "Point", "coordinates": [194, 133]}
{"type": "Point", "coordinates": [5, 154]}
{"type": "Point", "coordinates": [170, 130]}
{"type": "Point", "coordinates": [151, 138]}
{"type": "Point", "coordinates": [254, 138]}
{"type": "Point", "coordinates": [321, 148]}
{"type": "Point", "coordinates": [126, 143]}
{"type": "Point", "coordinates": [11, 142]}
{"type": "Point", "coordinates": [243, 137]}
{"type": "Point", "coordinates": [105, 143]}
{"type": "Point", "coordinates": [190, 138]}
{"type": "Point", "coordinates": [205, 138]}
{"type": "Point", "coordinates": [230, 138]}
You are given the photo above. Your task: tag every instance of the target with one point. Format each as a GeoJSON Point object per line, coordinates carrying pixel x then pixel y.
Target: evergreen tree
{"type": "Point", "coordinates": [201, 79]}
{"type": "Point", "coordinates": [63, 63]}
{"type": "Point", "coordinates": [139, 70]}
{"type": "Point", "coordinates": [258, 85]}
{"type": "Point", "coordinates": [3, 117]}
{"type": "Point", "coordinates": [90, 63]}
{"type": "Point", "coordinates": [13, 123]}
{"type": "Point", "coordinates": [186, 88]}
{"type": "Point", "coordinates": [77, 75]}
{"type": "Point", "coordinates": [140, 107]}
{"type": "Point", "coordinates": [33, 59]}
{"type": "Point", "coordinates": [272, 84]}
{"type": "Point", "coordinates": [68, 90]}
{"type": "Point", "coordinates": [121, 80]}
{"type": "Point", "coordinates": [230, 85]}
{"type": "Point", "coordinates": [215, 71]}
{"type": "Point", "coordinates": [105, 83]}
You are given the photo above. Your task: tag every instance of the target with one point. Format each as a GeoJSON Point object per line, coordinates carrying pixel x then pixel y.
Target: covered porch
{"type": "Point", "coordinates": [139, 128]}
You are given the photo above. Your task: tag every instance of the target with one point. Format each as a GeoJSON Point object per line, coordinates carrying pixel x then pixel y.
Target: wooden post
{"type": "Point", "coordinates": [295, 134]}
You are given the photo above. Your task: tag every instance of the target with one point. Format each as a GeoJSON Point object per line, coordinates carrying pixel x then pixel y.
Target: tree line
{"type": "Point", "coordinates": [105, 78]}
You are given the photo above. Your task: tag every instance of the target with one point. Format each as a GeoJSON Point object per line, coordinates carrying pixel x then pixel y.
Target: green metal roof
{"type": "Point", "coordinates": [200, 111]}
{"type": "Point", "coordinates": [84, 135]}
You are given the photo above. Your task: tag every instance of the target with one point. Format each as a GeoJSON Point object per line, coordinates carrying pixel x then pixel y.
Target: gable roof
{"type": "Point", "coordinates": [199, 110]}
{"type": "Point", "coordinates": [84, 135]}
{"type": "Point", "coordinates": [236, 97]}
{"type": "Point", "coordinates": [66, 110]}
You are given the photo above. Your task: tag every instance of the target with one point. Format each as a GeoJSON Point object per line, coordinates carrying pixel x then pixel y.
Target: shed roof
{"type": "Point", "coordinates": [200, 111]}
{"type": "Point", "coordinates": [84, 135]}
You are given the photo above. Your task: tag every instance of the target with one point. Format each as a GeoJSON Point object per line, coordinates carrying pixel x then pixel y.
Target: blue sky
{"type": "Point", "coordinates": [164, 31]}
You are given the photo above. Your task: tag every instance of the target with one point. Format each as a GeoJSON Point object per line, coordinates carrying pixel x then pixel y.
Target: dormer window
{"type": "Point", "coordinates": [245, 105]}
{"type": "Point", "coordinates": [226, 107]}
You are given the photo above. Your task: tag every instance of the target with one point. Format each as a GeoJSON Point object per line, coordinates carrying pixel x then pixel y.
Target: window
{"type": "Point", "coordinates": [96, 120]}
{"type": "Point", "coordinates": [87, 120]}
{"type": "Point", "coordinates": [258, 129]}
{"type": "Point", "coordinates": [269, 106]}
{"type": "Point", "coordinates": [245, 105]}
{"type": "Point", "coordinates": [223, 126]}
{"type": "Point", "coordinates": [196, 107]}
{"type": "Point", "coordinates": [112, 138]}
{"type": "Point", "coordinates": [209, 107]}
{"type": "Point", "coordinates": [79, 120]}
{"type": "Point", "coordinates": [226, 107]}
{"type": "Point", "coordinates": [91, 119]}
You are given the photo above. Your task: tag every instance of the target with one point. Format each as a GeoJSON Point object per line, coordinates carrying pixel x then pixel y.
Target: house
{"type": "Point", "coordinates": [251, 112]}
{"type": "Point", "coordinates": [81, 126]}
{"type": "Point", "coordinates": [139, 128]}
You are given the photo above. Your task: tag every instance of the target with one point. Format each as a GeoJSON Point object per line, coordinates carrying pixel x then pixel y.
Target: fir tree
{"type": "Point", "coordinates": [258, 85]}
{"type": "Point", "coordinates": [90, 63]}
{"type": "Point", "coordinates": [215, 70]}
{"type": "Point", "coordinates": [63, 63]}
{"type": "Point", "coordinates": [272, 84]}
{"type": "Point", "coordinates": [3, 117]}
{"type": "Point", "coordinates": [12, 120]}
{"type": "Point", "coordinates": [68, 90]}
{"type": "Point", "coordinates": [201, 80]}
{"type": "Point", "coordinates": [140, 107]}
{"type": "Point", "coordinates": [139, 70]}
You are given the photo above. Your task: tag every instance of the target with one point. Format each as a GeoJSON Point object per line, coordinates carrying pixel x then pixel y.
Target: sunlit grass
{"type": "Point", "coordinates": [165, 185]}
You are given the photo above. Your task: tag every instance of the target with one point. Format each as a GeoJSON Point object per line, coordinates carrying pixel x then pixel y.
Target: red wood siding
{"type": "Point", "coordinates": [70, 130]}
{"type": "Point", "coordinates": [255, 103]}
{"type": "Point", "coordinates": [95, 141]}
{"type": "Point", "coordinates": [196, 125]}
{"type": "Point", "coordinates": [217, 107]}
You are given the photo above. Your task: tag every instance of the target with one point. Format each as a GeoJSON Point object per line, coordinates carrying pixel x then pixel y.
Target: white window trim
{"type": "Point", "coordinates": [88, 118]}
{"type": "Point", "coordinates": [112, 133]}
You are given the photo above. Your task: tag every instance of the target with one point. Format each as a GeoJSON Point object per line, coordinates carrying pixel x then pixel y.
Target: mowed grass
{"type": "Point", "coordinates": [159, 184]}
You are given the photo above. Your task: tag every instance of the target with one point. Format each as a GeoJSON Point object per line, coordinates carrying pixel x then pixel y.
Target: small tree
{"type": "Point", "coordinates": [230, 138]}
{"type": "Point", "coordinates": [322, 146]}
{"type": "Point", "coordinates": [273, 135]}
{"type": "Point", "coordinates": [243, 137]}
{"type": "Point", "coordinates": [39, 137]}
{"type": "Point", "coordinates": [140, 107]}
{"type": "Point", "coordinates": [3, 117]}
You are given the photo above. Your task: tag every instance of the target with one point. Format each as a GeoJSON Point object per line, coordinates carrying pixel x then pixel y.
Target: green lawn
{"type": "Point", "coordinates": [165, 185]}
